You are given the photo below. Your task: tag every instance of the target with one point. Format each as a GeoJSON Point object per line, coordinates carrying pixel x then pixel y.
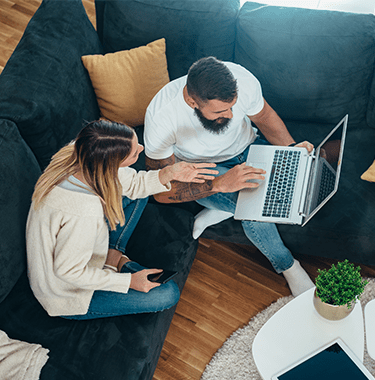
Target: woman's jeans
{"type": "Point", "coordinates": [133, 209]}
{"type": "Point", "coordinates": [109, 304]}
{"type": "Point", "coordinates": [264, 236]}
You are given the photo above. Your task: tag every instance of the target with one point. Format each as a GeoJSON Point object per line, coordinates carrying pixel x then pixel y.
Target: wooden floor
{"type": "Point", "coordinates": [228, 284]}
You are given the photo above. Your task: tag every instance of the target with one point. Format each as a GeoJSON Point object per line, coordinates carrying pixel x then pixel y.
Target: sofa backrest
{"type": "Point", "coordinates": [371, 105]}
{"type": "Point", "coordinates": [44, 88]}
{"type": "Point", "coordinates": [193, 29]}
{"type": "Point", "coordinates": [19, 172]}
{"type": "Point", "coordinates": [313, 65]}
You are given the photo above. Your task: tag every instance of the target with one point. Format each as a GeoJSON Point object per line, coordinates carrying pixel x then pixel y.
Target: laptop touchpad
{"type": "Point", "coordinates": [259, 165]}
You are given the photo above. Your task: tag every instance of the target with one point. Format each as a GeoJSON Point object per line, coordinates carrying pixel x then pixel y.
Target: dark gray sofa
{"type": "Point", "coordinates": [314, 66]}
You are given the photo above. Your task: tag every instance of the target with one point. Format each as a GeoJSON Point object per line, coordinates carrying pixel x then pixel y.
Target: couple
{"type": "Point", "coordinates": [88, 201]}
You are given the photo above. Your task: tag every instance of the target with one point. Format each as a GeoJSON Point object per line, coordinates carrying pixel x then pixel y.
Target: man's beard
{"type": "Point", "coordinates": [217, 126]}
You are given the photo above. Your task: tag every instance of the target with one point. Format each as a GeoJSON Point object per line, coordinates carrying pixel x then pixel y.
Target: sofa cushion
{"type": "Point", "coordinates": [192, 29]}
{"type": "Point", "coordinates": [18, 175]}
{"type": "Point", "coordinates": [126, 81]}
{"type": "Point", "coordinates": [314, 65]}
{"type": "Point", "coordinates": [44, 88]}
{"type": "Point", "coordinates": [126, 347]}
{"type": "Point", "coordinates": [344, 227]}
{"type": "Point", "coordinates": [371, 105]}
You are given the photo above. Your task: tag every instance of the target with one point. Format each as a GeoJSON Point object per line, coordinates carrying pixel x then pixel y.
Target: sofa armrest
{"type": "Point", "coordinates": [19, 171]}
{"type": "Point", "coordinates": [44, 88]}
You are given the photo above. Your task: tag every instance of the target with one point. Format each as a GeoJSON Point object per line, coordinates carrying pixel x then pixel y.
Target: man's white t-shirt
{"type": "Point", "coordinates": [171, 126]}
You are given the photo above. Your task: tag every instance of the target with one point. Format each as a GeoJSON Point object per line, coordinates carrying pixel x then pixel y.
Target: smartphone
{"type": "Point", "coordinates": [162, 277]}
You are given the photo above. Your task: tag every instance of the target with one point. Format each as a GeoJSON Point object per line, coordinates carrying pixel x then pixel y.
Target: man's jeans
{"type": "Point", "coordinates": [264, 236]}
{"type": "Point", "coordinates": [109, 304]}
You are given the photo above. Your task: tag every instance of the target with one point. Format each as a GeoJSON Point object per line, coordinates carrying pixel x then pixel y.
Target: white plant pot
{"type": "Point", "coordinates": [331, 312]}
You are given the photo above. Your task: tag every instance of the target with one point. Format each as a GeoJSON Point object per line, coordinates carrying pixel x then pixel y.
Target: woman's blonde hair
{"type": "Point", "coordinates": [97, 152]}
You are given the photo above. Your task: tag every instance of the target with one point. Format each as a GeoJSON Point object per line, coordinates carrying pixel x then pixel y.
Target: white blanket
{"type": "Point", "coordinates": [20, 360]}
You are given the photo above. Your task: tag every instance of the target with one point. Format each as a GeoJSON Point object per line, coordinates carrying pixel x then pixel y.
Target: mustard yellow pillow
{"type": "Point", "coordinates": [369, 174]}
{"type": "Point", "coordinates": [126, 81]}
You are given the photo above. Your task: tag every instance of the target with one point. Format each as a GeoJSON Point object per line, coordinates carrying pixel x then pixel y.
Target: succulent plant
{"type": "Point", "coordinates": [342, 284]}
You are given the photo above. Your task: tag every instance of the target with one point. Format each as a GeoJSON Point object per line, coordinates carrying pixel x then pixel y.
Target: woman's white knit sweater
{"type": "Point", "coordinates": [67, 245]}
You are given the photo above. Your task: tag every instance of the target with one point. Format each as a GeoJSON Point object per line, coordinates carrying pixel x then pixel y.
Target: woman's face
{"type": "Point", "coordinates": [134, 153]}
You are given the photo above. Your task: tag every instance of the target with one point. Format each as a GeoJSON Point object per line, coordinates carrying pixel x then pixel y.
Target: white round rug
{"type": "Point", "coordinates": [234, 360]}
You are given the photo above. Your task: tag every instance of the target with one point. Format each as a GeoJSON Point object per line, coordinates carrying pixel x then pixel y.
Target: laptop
{"type": "Point", "coordinates": [334, 361]}
{"type": "Point", "coordinates": [297, 184]}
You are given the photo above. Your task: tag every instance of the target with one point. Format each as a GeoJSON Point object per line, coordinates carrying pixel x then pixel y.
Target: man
{"type": "Point", "coordinates": [207, 116]}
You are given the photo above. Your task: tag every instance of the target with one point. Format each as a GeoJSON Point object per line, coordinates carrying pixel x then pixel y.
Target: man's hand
{"type": "Point", "coordinates": [305, 144]}
{"type": "Point", "coordinates": [238, 178]}
{"type": "Point", "coordinates": [187, 172]}
{"type": "Point", "coordinates": [140, 282]}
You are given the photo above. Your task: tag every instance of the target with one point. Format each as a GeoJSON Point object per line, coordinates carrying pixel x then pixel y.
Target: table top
{"type": "Point", "coordinates": [297, 329]}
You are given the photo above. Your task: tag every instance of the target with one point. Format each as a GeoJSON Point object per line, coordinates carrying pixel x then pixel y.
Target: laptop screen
{"type": "Point", "coordinates": [327, 169]}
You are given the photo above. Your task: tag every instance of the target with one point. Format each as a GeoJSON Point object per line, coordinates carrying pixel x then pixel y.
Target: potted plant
{"type": "Point", "coordinates": [337, 290]}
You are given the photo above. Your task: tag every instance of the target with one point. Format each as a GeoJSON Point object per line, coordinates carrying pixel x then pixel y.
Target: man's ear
{"type": "Point", "coordinates": [189, 100]}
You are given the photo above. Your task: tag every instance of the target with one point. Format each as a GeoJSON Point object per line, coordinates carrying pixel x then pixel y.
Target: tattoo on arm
{"type": "Point", "coordinates": [159, 164]}
{"type": "Point", "coordinates": [181, 191]}
{"type": "Point", "coordinates": [186, 192]}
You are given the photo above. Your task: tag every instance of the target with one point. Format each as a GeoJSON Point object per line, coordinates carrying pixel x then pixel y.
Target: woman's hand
{"type": "Point", "coordinates": [140, 282]}
{"type": "Point", "coordinates": [187, 172]}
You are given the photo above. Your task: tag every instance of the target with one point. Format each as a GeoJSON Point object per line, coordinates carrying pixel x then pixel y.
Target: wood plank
{"type": "Point", "coordinates": [24, 8]}
{"type": "Point", "coordinates": [90, 10]}
{"type": "Point", "coordinates": [12, 17]}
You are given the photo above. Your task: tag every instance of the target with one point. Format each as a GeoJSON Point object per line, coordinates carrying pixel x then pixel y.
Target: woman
{"type": "Point", "coordinates": [85, 207]}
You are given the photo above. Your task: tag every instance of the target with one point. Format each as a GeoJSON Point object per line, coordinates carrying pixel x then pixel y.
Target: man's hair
{"type": "Point", "coordinates": [208, 79]}
{"type": "Point", "coordinates": [97, 152]}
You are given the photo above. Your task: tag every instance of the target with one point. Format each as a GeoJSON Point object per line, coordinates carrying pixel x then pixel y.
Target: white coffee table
{"type": "Point", "coordinates": [297, 329]}
{"type": "Point", "coordinates": [370, 327]}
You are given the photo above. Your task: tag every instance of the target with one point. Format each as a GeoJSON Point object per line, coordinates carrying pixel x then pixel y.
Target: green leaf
{"type": "Point", "coordinates": [342, 284]}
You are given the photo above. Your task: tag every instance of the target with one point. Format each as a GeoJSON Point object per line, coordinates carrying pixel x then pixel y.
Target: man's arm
{"type": "Point", "coordinates": [272, 127]}
{"type": "Point", "coordinates": [233, 180]}
{"type": "Point", "coordinates": [181, 191]}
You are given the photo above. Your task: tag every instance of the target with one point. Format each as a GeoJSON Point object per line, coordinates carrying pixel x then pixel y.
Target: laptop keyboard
{"type": "Point", "coordinates": [327, 183]}
{"type": "Point", "coordinates": [281, 184]}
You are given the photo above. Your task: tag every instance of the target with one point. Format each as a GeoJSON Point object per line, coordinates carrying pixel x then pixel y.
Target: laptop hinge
{"type": "Point", "coordinates": [306, 182]}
